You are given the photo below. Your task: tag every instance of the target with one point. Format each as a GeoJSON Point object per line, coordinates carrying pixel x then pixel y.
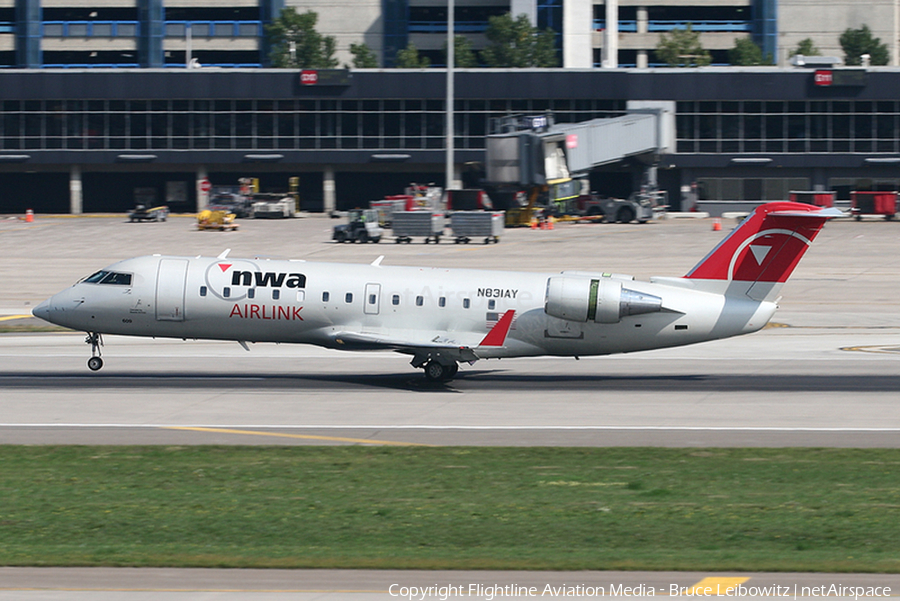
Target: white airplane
{"type": "Point", "coordinates": [442, 317]}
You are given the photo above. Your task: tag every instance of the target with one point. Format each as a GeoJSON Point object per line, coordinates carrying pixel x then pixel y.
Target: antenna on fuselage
{"type": "Point", "coordinates": [224, 253]}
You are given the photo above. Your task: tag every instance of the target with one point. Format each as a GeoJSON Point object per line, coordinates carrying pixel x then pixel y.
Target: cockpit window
{"type": "Point", "coordinates": [109, 277]}
{"type": "Point", "coordinates": [93, 279]}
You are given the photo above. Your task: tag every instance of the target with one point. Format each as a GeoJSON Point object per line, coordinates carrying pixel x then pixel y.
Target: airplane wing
{"type": "Point", "coordinates": [452, 345]}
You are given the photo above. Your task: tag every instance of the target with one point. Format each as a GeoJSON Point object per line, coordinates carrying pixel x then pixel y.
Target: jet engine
{"type": "Point", "coordinates": [600, 300]}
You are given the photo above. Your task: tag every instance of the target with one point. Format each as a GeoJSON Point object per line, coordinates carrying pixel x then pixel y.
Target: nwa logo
{"type": "Point", "coordinates": [232, 279]}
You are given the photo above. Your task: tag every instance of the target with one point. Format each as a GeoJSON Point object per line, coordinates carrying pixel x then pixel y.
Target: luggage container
{"type": "Point", "coordinates": [409, 224]}
{"type": "Point", "coordinates": [467, 225]}
{"type": "Point", "coordinates": [873, 203]}
{"type": "Point", "coordinates": [819, 198]}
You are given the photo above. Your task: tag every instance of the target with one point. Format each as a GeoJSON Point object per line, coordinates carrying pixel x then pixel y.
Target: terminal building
{"type": "Point", "coordinates": [97, 109]}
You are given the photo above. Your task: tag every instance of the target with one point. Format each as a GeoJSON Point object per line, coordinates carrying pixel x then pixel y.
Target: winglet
{"type": "Point", "coordinates": [497, 335]}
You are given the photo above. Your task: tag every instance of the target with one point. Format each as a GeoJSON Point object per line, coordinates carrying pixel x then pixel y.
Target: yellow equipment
{"type": "Point", "coordinates": [216, 220]}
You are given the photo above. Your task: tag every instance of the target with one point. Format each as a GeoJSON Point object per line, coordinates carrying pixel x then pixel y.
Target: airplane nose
{"type": "Point", "coordinates": [42, 311]}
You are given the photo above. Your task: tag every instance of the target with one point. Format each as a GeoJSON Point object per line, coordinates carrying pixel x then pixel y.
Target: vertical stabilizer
{"type": "Point", "coordinates": [758, 257]}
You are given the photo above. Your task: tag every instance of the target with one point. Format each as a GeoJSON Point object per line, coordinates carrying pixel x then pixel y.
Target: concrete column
{"type": "Point", "coordinates": [611, 38]}
{"type": "Point", "coordinates": [328, 190]}
{"type": "Point", "coordinates": [202, 197]}
{"type": "Point", "coordinates": [578, 32]}
{"type": "Point", "coordinates": [642, 19]}
{"type": "Point", "coordinates": [76, 197]}
{"type": "Point", "coordinates": [642, 61]}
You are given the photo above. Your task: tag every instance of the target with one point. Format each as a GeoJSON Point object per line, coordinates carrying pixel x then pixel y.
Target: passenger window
{"type": "Point", "coordinates": [492, 304]}
{"type": "Point", "coordinates": [202, 290]}
{"type": "Point", "coordinates": [276, 294]}
{"type": "Point", "coordinates": [301, 296]}
{"type": "Point", "coordinates": [348, 298]}
{"type": "Point", "coordinates": [395, 300]}
{"type": "Point", "coordinates": [419, 301]}
{"type": "Point", "coordinates": [251, 293]}
{"type": "Point", "coordinates": [226, 292]}
{"type": "Point", "coordinates": [325, 297]}
{"type": "Point", "coordinates": [466, 303]}
{"type": "Point", "coordinates": [442, 302]}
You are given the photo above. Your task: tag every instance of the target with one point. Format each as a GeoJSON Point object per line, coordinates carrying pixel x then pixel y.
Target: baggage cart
{"type": "Point", "coordinates": [467, 225]}
{"type": "Point", "coordinates": [406, 225]}
{"type": "Point", "coordinates": [873, 203]}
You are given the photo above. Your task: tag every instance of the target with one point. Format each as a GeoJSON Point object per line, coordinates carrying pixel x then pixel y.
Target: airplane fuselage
{"type": "Point", "coordinates": [310, 302]}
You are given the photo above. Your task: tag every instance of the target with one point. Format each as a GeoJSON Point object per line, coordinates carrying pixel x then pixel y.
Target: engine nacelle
{"type": "Point", "coordinates": [602, 300]}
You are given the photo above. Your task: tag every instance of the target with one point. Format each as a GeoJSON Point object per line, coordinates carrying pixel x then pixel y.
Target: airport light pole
{"type": "Point", "coordinates": [451, 43]}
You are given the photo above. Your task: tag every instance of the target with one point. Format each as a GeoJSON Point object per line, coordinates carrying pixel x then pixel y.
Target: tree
{"type": "Point", "coordinates": [806, 47]}
{"type": "Point", "coordinates": [463, 55]}
{"type": "Point", "coordinates": [409, 58]}
{"type": "Point", "coordinates": [363, 57]}
{"type": "Point", "coordinates": [857, 42]}
{"type": "Point", "coordinates": [516, 44]}
{"type": "Point", "coordinates": [746, 53]}
{"type": "Point", "coordinates": [682, 48]}
{"type": "Point", "coordinates": [296, 43]}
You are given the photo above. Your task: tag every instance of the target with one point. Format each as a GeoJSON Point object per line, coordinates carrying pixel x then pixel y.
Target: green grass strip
{"type": "Point", "coordinates": [832, 510]}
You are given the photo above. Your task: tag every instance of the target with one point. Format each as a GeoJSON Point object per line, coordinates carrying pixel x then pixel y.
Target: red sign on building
{"type": "Point", "coordinates": [309, 77]}
{"type": "Point", "coordinates": [823, 78]}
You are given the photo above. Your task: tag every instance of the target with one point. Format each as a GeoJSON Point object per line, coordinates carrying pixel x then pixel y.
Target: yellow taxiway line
{"type": "Point", "coordinates": [301, 436]}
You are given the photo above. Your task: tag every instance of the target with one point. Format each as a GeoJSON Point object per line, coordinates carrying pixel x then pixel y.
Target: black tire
{"type": "Point", "coordinates": [362, 237]}
{"type": "Point", "coordinates": [625, 215]}
{"type": "Point", "coordinates": [95, 363]}
{"type": "Point", "coordinates": [436, 372]}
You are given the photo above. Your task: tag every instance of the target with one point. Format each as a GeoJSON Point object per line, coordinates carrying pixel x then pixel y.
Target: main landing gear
{"type": "Point", "coordinates": [440, 372]}
{"type": "Point", "coordinates": [96, 341]}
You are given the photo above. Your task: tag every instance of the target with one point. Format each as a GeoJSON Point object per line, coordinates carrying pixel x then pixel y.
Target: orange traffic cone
{"type": "Point", "coordinates": [717, 225]}
{"type": "Point", "coordinates": [534, 223]}
{"type": "Point", "coordinates": [550, 222]}
{"type": "Point", "coordinates": [29, 216]}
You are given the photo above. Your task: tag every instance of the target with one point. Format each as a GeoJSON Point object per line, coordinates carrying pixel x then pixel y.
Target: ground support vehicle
{"type": "Point", "coordinates": [226, 198]}
{"type": "Point", "coordinates": [362, 226]}
{"type": "Point", "coordinates": [409, 224]}
{"type": "Point", "coordinates": [142, 213]}
{"type": "Point", "coordinates": [467, 225]}
{"type": "Point", "coordinates": [273, 206]}
{"type": "Point", "coordinates": [216, 220]}
{"type": "Point", "coordinates": [873, 203]}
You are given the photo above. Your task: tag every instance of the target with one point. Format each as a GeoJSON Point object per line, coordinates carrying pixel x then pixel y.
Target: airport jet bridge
{"type": "Point", "coordinates": [534, 151]}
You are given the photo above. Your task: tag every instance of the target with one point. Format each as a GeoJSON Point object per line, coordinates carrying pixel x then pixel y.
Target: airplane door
{"type": "Point", "coordinates": [373, 299]}
{"type": "Point", "coordinates": [170, 284]}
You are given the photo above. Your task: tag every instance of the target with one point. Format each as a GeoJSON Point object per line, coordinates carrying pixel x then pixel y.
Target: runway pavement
{"type": "Point", "coordinates": [112, 584]}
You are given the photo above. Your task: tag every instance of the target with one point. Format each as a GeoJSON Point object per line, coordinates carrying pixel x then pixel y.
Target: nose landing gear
{"type": "Point", "coordinates": [96, 341]}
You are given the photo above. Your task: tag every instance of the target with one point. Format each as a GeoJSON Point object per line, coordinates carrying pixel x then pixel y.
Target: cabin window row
{"type": "Point", "coordinates": [395, 300]}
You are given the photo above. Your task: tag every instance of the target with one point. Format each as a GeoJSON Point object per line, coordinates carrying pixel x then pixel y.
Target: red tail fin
{"type": "Point", "coordinates": [767, 246]}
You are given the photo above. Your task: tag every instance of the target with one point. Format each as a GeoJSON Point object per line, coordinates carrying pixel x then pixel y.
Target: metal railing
{"type": "Point", "coordinates": [90, 29]}
{"type": "Point", "coordinates": [666, 25]}
{"type": "Point", "coordinates": [215, 29]}
{"type": "Point", "coordinates": [132, 29]}
{"type": "Point", "coordinates": [441, 26]}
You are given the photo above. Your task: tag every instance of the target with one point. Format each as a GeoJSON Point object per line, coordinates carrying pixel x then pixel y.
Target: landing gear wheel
{"type": "Point", "coordinates": [96, 341]}
{"type": "Point", "coordinates": [438, 372]}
